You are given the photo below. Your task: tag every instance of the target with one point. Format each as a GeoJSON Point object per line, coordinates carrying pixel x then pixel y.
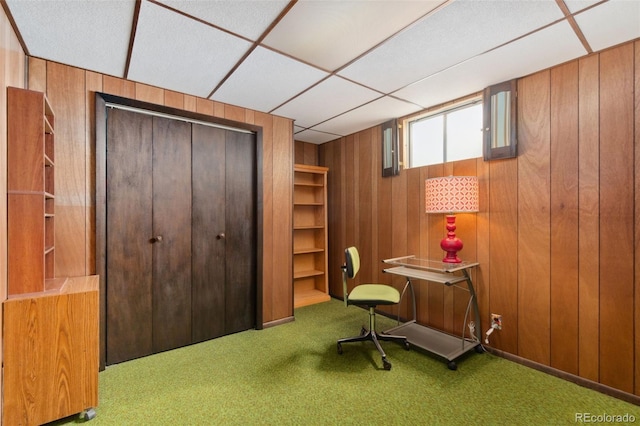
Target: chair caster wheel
{"type": "Point", "coordinates": [386, 364]}
{"type": "Point", "coordinates": [452, 365]}
{"type": "Point", "coordinates": [88, 414]}
{"type": "Point", "coordinates": [479, 349]}
{"type": "Point", "coordinates": [407, 346]}
{"type": "Point", "coordinates": [339, 349]}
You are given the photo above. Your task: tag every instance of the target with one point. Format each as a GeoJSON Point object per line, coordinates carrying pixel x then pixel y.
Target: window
{"type": "Point", "coordinates": [447, 135]}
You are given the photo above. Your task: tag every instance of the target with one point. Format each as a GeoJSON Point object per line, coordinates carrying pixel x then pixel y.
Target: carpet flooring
{"type": "Point", "coordinates": [291, 374]}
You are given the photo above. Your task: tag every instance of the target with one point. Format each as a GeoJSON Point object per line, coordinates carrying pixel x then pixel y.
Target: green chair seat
{"type": "Point", "coordinates": [375, 294]}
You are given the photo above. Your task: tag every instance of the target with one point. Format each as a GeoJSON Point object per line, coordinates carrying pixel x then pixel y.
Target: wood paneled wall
{"type": "Point", "coordinates": [558, 232]}
{"type": "Point", "coordinates": [306, 153]}
{"type": "Point", "coordinates": [12, 73]}
{"type": "Point", "coordinates": [71, 92]}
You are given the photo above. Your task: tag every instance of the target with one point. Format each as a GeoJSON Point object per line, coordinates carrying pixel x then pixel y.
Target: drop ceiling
{"type": "Point", "coordinates": [334, 67]}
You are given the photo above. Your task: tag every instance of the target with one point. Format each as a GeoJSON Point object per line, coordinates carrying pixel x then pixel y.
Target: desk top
{"type": "Point", "coordinates": [429, 265]}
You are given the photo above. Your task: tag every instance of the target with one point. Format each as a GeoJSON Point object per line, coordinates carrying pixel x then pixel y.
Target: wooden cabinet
{"type": "Point", "coordinates": [51, 352]}
{"type": "Point", "coordinates": [30, 191]}
{"type": "Point", "coordinates": [310, 277]}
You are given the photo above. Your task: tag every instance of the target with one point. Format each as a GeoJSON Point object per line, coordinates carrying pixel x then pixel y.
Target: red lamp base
{"type": "Point", "coordinates": [452, 244]}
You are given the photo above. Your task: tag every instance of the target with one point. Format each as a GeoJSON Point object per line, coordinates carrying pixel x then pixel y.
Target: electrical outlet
{"type": "Point", "coordinates": [496, 321]}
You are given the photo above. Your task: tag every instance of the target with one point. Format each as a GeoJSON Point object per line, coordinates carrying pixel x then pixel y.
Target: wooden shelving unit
{"type": "Point", "coordinates": [50, 328]}
{"type": "Point", "coordinates": [310, 263]}
{"type": "Point", "coordinates": [30, 191]}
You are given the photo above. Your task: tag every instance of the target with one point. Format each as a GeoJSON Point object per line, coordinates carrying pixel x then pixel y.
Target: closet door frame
{"type": "Point", "coordinates": [102, 102]}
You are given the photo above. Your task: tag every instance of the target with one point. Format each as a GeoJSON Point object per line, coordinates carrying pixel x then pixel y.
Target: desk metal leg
{"type": "Point", "coordinates": [408, 285]}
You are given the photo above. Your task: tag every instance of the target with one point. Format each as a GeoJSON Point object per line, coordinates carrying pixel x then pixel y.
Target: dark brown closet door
{"type": "Point", "coordinates": [224, 232]}
{"type": "Point", "coordinates": [129, 255]}
{"type": "Point", "coordinates": [241, 240]}
{"type": "Point", "coordinates": [171, 238]}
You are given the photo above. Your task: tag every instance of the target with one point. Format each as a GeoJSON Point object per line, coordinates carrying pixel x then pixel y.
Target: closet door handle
{"type": "Point", "coordinates": [220, 236]}
{"type": "Point", "coordinates": [156, 239]}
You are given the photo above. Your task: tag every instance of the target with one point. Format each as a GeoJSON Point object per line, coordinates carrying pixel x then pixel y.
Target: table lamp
{"type": "Point", "coordinates": [451, 194]}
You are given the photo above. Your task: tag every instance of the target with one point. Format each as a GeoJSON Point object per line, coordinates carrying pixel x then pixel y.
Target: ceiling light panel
{"type": "Point", "coordinates": [327, 99]}
{"type": "Point", "coordinates": [329, 34]}
{"type": "Point", "coordinates": [246, 18]}
{"type": "Point", "coordinates": [368, 115]}
{"type": "Point", "coordinates": [451, 35]}
{"type": "Point", "coordinates": [610, 23]}
{"type": "Point", "coordinates": [178, 53]}
{"type": "Point", "coordinates": [267, 79]}
{"type": "Point", "coordinates": [543, 49]}
{"type": "Point", "coordinates": [89, 34]}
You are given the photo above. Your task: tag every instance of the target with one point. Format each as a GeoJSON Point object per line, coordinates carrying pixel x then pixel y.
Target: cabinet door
{"type": "Point", "coordinates": [129, 252]}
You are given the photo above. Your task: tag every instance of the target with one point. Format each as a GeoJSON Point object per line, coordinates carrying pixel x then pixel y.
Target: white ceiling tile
{"type": "Point", "coordinates": [577, 5]}
{"type": "Point", "coordinates": [248, 18]}
{"type": "Point", "coordinates": [267, 79]}
{"type": "Point", "coordinates": [181, 54]}
{"type": "Point", "coordinates": [87, 34]}
{"type": "Point", "coordinates": [329, 34]}
{"type": "Point", "coordinates": [610, 23]}
{"type": "Point", "coordinates": [369, 115]}
{"type": "Point", "coordinates": [312, 136]}
{"type": "Point", "coordinates": [329, 98]}
{"type": "Point", "coordinates": [460, 30]}
{"type": "Point", "coordinates": [543, 49]}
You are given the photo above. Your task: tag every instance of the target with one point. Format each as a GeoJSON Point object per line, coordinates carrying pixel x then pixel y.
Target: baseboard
{"type": "Point", "coordinates": [590, 384]}
{"type": "Point", "coordinates": [278, 322]}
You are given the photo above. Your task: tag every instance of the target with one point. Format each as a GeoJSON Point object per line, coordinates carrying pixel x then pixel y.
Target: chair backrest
{"type": "Point", "coordinates": [352, 258]}
{"type": "Point", "coordinates": [349, 270]}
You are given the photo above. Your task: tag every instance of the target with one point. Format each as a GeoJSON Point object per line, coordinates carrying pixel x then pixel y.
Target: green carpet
{"type": "Point", "coordinates": [292, 375]}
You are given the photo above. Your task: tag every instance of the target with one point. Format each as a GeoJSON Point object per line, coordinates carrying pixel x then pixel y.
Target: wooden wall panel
{"type": "Point", "coordinates": [483, 247]}
{"type": "Point", "coordinates": [268, 259]}
{"type": "Point", "coordinates": [616, 218]}
{"type": "Point", "coordinates": [12, 73]}
{"type": "Point", "coordinates": [564, 217]}
{"type": "Point", "coordinates": [282, 228]}
{"type": "Point", "coordinates": [588, 229]}
{"type": "Point", "coordinates": [533, 218]}
{"type": "Point", "coordinates": [67, 95]}
{"type": "Point", "coordinates": [93, 84]}
{"type": "Point", "coordinates": [557, 234]}
{"type": "Point", "coordinates": [467, 231]}
{"type": "Point", "coordinates": [636, 245]}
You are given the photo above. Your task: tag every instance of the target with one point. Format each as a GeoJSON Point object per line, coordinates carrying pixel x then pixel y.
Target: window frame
{"type": "Point", "coordinates": [474, 100]}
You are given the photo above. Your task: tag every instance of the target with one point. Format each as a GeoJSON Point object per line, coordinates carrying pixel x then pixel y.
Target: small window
{"type": "Point", "coordinates": [447, 135]}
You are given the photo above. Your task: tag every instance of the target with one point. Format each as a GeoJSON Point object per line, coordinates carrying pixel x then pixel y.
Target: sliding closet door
{"type": "Point", "coordinates": [224, 231]}
{"type": "Point", "coordinates": [129, 260]}
{"type": "Point", "coordinates": [171, 238]}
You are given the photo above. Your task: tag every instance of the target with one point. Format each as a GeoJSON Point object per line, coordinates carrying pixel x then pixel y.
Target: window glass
{"type": "Point", "coordinates": [450, 135]}
{"type": "Point", "coordinates": [426, 138]}
{"type": "Point", "coordinates": [464, 133]}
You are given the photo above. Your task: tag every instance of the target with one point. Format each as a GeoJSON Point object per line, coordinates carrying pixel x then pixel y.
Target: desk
{"type": "Point", "coordinates": [450, 274]}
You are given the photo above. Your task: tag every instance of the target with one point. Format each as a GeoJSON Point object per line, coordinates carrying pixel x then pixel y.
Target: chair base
{"type": "Point", "coordinates": [372, 335]}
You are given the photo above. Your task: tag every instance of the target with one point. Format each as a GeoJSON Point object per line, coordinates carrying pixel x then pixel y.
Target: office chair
{"type": "Point", "coordinates": [370, 295]}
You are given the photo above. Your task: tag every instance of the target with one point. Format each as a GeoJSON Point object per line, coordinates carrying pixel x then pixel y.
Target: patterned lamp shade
{"type": "Point", "coordinates": [451, 194]}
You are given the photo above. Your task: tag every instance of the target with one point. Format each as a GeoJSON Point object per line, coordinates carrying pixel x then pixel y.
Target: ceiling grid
{"type": "Point", "coordinates": [334, 67]}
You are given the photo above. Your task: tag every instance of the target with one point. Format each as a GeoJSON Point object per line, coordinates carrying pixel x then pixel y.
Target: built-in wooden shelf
{"type": "Point", "coordinates": [310, 278]}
